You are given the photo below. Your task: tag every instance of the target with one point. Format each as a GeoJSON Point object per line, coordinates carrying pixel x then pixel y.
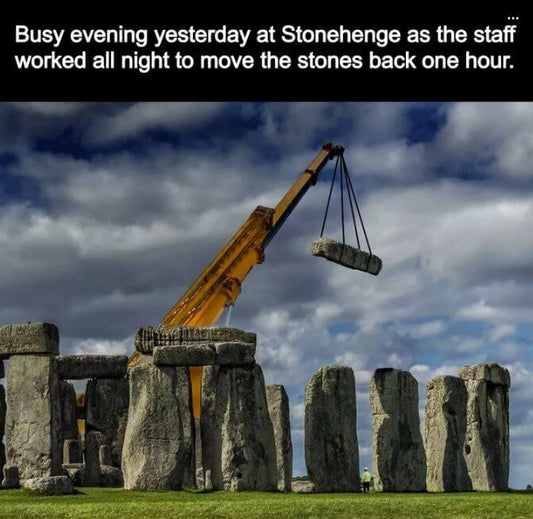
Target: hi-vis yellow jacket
{"type": "Point", "coordinates": [366, 477]}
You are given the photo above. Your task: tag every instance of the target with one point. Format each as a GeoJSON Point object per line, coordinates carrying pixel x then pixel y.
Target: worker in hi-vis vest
{"type": "Point", "coordinates": [365, 479]}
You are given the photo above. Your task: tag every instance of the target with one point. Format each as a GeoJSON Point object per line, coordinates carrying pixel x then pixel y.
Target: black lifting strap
{"type": "Point", "coordinates": [345, 179]}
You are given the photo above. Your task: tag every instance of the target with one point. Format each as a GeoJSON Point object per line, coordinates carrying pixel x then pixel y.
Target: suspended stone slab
{"type": "Point", "coordinates": [278, 409]}
{"type": "Point", "coordinates": [79, 367]}
{"type": "Point", "coordinates": [147, 338]}
{"type": "Point", "coordinates": [398, 455]}
{"type": "Point", "coordinates": [191, 355]}
{"type": "Point", "coordinates": [346, 255]}
{"type": "Point", "coordinates": [331, 446]}
{"type": "Point", "coordinates": [445, 432]}
{"type": "Point", "coordinates": [28, 339]}
{"type": "Point", "coordinates": [158, 451]}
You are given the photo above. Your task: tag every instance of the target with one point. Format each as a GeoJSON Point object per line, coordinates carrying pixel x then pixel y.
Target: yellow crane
{"type": "Point", "coordinates": [219, 285]}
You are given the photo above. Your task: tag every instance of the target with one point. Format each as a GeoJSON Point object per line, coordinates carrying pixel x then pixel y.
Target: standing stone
{"type": "Point", "coordinates": [71, 452]}
{"type": "Point", "coordinates": [487, 426]}
{"type": "Point", "coordinates": [33, 418]}
{"type": "Point", "coordinates": [331, 447]}
{"type": "Point", "coordinates": [104, 455]}
{"type": "Point", "coordinates": [398, 456]}
{"type": "Point", "coordinates": [69, 408]}
{"type": "Point", "coordinates": [106, 404]}
{"type": "Point", "coordinates": [2, 410]}
{"type": "Point", "coordinates": [444, 432]}
{"type": "Point", "coordinates": [237, 437]}
{"type": "Point", "coordinates": [278, 409]}
{"type": "Point", "coordinates": [93, 441]}
{"type": "Point", "coordinates": [158, 452]}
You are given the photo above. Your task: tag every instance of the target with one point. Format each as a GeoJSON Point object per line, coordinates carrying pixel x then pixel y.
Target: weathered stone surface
{"type": "Point", "coordinates": [237, 437]}
{"type": "Point", "coordinates": [33, 418]}
{"type": "Point", "coordinates": [76, 473]}
{"type": "Point", "coordinates": [104, 455]}
{"type": "Point", "coordinates": [235, 353]}
{"type": "Point", "coordinates": [331, 447]}
{"type": "Point", "coordinates": [27, 339]}
{"type": "Point", "coordinates": [11, 477]}
{"type": "Point", "coordinates": [72, 452]}
{"type": "Point", "coordinates": [69, 412]}
{"type": "Point", "coordinates": [3, 408]}
{"type": "Point", "coordinates": [111, 477]}
{"type": "Point", "coordinates": [50, 485]}
{"type": "Point", "coordinates": [303, 486]}
{"type": "Point", "coordinates": [93, 441]}
{"type": "Point", "coordinates": [444, 432]}
{"type": "Point", "coordinates": [346, 255]}
{"type": "Point", "coordinates": [147, 338]}
{"type": "Point", "coordinates": [79, 367]}
{"type": "Point", "coordinates": [278, 409]}
{"type": "Point", "coordinates": [487, 435]}
{"type": "Point", "coordinates": [185, 355]}
{"type": "Point", "coordinates": [398, 455]}
{"type": "Point", "coordinates": [205, 354]}
{"type": "Point", "coordinates": [106, 402]}
{"type": "Point", "coordinates": [491, 372]}
{"type": "Point", "coordinates": [158, 451]}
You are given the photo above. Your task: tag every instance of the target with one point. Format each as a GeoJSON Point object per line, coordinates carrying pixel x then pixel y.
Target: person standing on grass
{"type": "Point", "coordinates": [365, 479]}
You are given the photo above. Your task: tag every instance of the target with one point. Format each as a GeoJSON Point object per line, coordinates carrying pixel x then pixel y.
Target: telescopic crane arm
{"type": "Point", "coordinates": [219, 285]}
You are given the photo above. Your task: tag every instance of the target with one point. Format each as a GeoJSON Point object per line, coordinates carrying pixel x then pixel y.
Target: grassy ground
{"type": "Point", "coordinates": [99, 503]}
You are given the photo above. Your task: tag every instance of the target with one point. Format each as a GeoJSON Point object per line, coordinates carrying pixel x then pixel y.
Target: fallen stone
{"type": "Point", "coordinates": [158, 452]}
{"type": "Point", "coordinates": [493, 373]}
{"type": "Point", "coordinates": [487, 435]}
{"type": "Point", "coordinates": [79, 367]}
{"type": "Point", "coordinates": [69, 412]}
{"type": "Point", "coordinates": [398, 455]}
{"type": "Point", "coordinates": [93, 441]}
{"type": "Point", "coordinates": [106, 402]}
{"type": "Point", "coordinates": [189, 355]}
{"type": "Point", "coordinates": [28, 339]}
{"type": "Point", "coordinates": [76, 473]}
{"type": "Point", "coordinates": [11, 477]}
{"type": "Point", "coordinates": [104, 455]}
{"type": "Point", "coordinates": [331, 447]}
{"type": "Point", "coordinates": [303, 486]}
{"type": "Point", "coordinates": [346, 255]}
{"type": "Point", "coordinates": [237, 437]}
{"type": "Point", "coordinates": [148, 338]}
{"type": "Point", "coordinates": [3, 408]}
{"type": "Point", "coordinates": [33, 417]}
{"type": "Point", "coordinates": [50, 485]}
{"type": "Point", "coordinates": [444, 432]}
{"type": "Point", "coordinates": [71, 452]}
{"type": "Point", "coordinates": [278, 409]}
{"type": "Point", "coordinates": [111, 477]}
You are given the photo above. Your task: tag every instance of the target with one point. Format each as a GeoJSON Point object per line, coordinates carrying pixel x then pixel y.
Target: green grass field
{"type": "Point", "coordinates": [99, 503]}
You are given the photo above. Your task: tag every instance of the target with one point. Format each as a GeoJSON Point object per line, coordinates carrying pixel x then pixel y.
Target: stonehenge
{"type": "Point", "coordinates": [331, 447]}
{"type": "Point", "coordinates": [398, 455]}
{"type": "Point", "coordinates": [140, 432]}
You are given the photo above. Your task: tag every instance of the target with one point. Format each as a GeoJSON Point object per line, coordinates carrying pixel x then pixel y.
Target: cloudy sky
{"type": "Point", "coordinates": [109, 211]}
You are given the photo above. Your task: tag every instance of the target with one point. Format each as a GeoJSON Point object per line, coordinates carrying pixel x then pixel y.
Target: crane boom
{"type": "Point", "coordinates": [219, 285]}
